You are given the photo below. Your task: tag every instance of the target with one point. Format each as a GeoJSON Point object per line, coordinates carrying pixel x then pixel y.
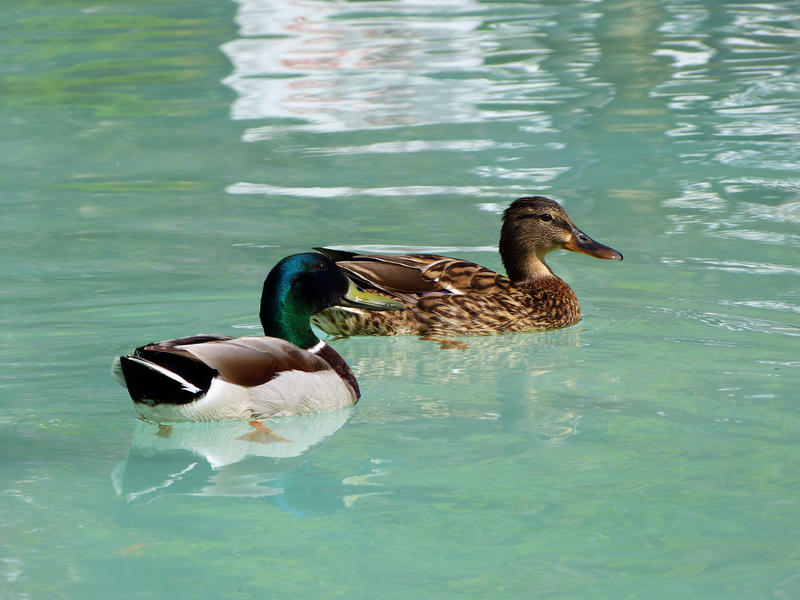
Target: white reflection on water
{"type": "Point", "coordinates": [692, 53]}
{"type": "Point", "coordinates": [346, 192]}
{"type": "Point", "coordinates": [697, 196]}
{"type": "Point", "coordinates": [331, 68]}
{"type": "Point", "coordinates": [533, 175]}
{"type": "Point", "coordinates": [732, 322]}
{"type": "Point", "coordinates": [335, 66]}
{"type": "Point", "coordinates": [765, 237]}
{"type": "Point", "coordinates": [741, 184]}
{"type": "Point", "coordinates": [782, 158]}
{"type": "Point", "coordinates": [787, 211]}
{"type": "Point", "coordinates": [719, 217]}
{"type": "Point", "coordinates": [416, 146]}
{"type": "Point", "coordinates": [768, 304]}
{"type": "Point", "coordinates": [736, 266]}
{"type": "Point", "coordinates": [217, 459]}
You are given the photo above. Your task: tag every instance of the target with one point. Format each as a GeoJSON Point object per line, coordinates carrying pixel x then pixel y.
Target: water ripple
{"type": "Point", "coordinates": [702, 204]}
{"type": "Point", "coordinates": [732, 322]}
{"type": "Point", "coordinates": [412, 146]}
{"type": "Point", "coordinates": [333, 67]}
{"type": "Point", "coordinates": [541, 175]}
{"type": "Point", "coordinates": [340, 69]}
{"type": "Point", "coordinates": [698, 197]}
{"type": "Point", "coordinates": [344, 192]}
{"type": "Point", "coordinates": [768, 304]}
{"type": "Point", "coordinates": [737, 266]}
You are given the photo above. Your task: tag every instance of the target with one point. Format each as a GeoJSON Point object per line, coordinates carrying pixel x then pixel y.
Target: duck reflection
{"type": "Point", "coordinates": [484, 357]}
{"type": "Point", "coordinates": [508, 379]}
{"type": "Point", "coordinates": [234, 459]}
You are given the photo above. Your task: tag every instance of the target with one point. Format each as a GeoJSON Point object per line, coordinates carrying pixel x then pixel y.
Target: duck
{"type": "Point", "coordinates": [288, 371]}
{"type": "Point", "coordinates": [446, 296]}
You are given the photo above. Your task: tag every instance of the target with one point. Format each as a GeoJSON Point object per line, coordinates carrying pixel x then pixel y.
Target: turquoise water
{"type": "Point", "coordinates": [158, 158]}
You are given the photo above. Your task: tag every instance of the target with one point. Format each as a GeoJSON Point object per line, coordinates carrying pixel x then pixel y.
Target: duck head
{"type": "Point", "coordinates": [303, 284]}
{"type": "Point", "coordinates": [534, 226]}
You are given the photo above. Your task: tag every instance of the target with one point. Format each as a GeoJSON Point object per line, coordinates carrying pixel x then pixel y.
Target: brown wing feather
{"type": "Point", "coordinates": [173, 345]}
{"type": "Point", "coordinates": [252, 361]}
{"type": "Point", "coordinates": [409, 276]}
{"type": "Point", "coordinates": [463, 277]}
{"type": "Point", "coordinates": [395, 279]}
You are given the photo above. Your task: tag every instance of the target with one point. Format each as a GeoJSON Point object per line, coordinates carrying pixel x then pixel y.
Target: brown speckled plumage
{"type": "Point", "coordinates": [450, 296]}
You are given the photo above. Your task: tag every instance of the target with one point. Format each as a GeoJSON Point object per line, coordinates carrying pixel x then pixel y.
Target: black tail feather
{"type": "Point", "coordinates": [148, 382]}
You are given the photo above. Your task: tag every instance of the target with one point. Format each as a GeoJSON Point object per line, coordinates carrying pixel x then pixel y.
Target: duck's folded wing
{"type": "Point", "coordinates": [252, 361]}
{"type": "Point", "coordinates": [409, 276]}
{"type": "Point", "coordinates": [512, 309]}
{"type": "Point", "coordinates": [474, 314]}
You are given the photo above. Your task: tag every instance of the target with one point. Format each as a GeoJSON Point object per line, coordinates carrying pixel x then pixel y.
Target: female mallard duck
{"type": "Point", "coordinates": [448, 296]}
{"type": "Point", "coordinates": [213, 377]}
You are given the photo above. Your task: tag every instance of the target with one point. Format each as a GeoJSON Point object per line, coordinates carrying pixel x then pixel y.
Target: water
{"type": "Point", "coordinates": [157, 159]}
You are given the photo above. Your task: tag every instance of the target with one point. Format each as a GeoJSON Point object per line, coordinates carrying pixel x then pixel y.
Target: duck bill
{"type": "Point", "coordinates": [580, 242]}
{"type": "Point", "coordinates": [358, 298]}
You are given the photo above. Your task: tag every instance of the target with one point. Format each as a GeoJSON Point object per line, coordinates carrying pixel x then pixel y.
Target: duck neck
{"type": "Point", "coordinates": [283, 317]}
{"type": "Point", "coordinates": [523, 263]}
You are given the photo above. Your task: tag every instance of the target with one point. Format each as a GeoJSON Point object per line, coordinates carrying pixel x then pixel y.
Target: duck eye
{"type": "Point", "coordinates": [546, 217]}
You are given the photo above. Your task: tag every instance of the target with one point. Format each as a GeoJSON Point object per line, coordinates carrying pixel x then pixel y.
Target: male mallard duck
{"type": "Point", "coordinates": [214, 377]}
{"type": "Point", "coordinates": [449, 296]}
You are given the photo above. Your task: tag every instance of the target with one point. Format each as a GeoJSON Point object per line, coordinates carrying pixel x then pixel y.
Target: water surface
{"type": "Point", "coordinates": [157, 159]}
